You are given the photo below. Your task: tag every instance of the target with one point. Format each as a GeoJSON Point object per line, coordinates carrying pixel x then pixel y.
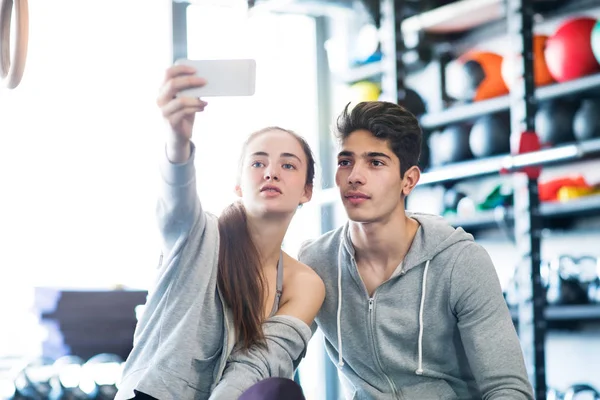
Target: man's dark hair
{"type": "Point", "coordinates": [386, 121]}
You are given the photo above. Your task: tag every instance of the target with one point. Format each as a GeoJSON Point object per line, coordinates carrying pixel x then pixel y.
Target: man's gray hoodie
{"type": "Point", "coordinates": [184, 343]}
{"type": "Point", "coordinates": [439, 328]}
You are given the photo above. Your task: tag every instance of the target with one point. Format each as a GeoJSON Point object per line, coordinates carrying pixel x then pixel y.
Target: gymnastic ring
{"type": "Point", "coordinates": [12, 68]}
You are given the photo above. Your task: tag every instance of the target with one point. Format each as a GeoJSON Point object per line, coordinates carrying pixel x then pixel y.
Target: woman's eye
{"type": "Point", "coordinates": [257, 164]}
{"type": "Point", "coordinates": [288, 166]}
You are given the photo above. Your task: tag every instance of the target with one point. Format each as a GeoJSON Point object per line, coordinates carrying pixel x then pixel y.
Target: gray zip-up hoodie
{"type": "Point", "coordinates": [184, 340]}
{"type": "Point", "coordinates": [439, 328]}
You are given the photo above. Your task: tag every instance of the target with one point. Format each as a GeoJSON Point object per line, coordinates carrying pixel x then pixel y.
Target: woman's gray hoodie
{"type": "Point", "coordinates": [439, 328]}
{"type": "Point", "coordinates": [184, 343]}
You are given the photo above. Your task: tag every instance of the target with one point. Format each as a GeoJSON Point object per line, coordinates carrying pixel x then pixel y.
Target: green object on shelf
{"type": "Point", "coordinates": [501, 195]}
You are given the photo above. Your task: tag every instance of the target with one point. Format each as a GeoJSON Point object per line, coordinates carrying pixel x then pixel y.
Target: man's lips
{"type": "Point", "coordinates": [356, 195]}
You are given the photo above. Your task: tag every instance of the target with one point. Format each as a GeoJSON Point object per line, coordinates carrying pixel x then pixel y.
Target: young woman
{"type": "Point", "coordinates": [229, 308]}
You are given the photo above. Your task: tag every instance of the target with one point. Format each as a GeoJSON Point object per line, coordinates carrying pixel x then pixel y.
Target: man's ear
{"type": "Point", "coordinates": [238, 190]}
{"type": "Point", "coordinates": [308, 191]}
{"type": "Point", "coordinates": [410, 180]}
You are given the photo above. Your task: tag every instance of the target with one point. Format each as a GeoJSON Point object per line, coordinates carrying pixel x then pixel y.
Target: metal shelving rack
{"type": "Point", "coordinates": [528, 221]}
{"type": "Point", "coordinates": [524, 163]}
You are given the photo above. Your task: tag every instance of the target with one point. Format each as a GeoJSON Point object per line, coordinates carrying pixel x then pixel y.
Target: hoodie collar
{"type": "Point", "coordinates": [433, 236]}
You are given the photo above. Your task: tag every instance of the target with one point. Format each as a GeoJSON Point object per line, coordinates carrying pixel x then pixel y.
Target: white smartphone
{"type": "Point", "coordinates": [223, 77]}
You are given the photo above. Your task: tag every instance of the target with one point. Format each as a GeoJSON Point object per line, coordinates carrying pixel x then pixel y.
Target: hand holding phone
{"type": "Point", "coordinates": [179, 112]}
{"type": "Point", "coordinates": [235, 77]}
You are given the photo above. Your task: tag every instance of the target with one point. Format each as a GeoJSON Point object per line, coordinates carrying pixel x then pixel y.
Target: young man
{"type": "Point", "coordinates": [413, 307]}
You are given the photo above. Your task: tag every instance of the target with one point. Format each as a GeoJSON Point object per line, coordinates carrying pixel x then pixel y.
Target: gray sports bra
{"type": "Point", "coordinates": [279, 288]}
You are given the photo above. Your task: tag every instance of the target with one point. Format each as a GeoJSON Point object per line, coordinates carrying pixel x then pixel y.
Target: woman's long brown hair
{"type": "Point", "coordinates": [240, 277]}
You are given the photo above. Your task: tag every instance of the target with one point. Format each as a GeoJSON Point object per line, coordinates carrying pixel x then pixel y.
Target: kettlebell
{"type": "Point", "coordinates": [586, 124]}
{"type": "Point", "coordinates": [572, 392]}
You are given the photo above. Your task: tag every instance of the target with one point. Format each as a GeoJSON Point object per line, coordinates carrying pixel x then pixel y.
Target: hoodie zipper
{"type": "Point", "coordinates": [371, 332]}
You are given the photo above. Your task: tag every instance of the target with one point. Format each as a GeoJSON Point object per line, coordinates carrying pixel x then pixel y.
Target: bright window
{"type": "Point", "coordinates": [284, 47]}
{"type": "Point", "coordinates": [78, 145]}
{"type": "Point", "coordinates": [78, 142]}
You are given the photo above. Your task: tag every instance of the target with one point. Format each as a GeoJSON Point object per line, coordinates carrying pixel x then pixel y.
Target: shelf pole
{"type": "Point", "coordinates": [392, 47]}
{"type": "Point", "coordinates": [528, 221]}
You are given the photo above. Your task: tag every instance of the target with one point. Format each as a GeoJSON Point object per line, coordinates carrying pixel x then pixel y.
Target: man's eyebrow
{"type": "Point", "coordinates": [373, 154]}
{"type": "Point", "coordinates": [370, 154]}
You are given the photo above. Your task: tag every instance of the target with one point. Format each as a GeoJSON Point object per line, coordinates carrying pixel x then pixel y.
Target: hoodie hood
{"type": "Point", "coordinates": [433, 236]}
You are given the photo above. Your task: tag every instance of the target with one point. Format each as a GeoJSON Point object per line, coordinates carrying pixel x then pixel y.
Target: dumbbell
{"type": "Point", "coordinates": [594, 283]}
{"type": "Point", "coordinates": [68, 374]}
{"type": "Point", "coordinates": [589, 279]}
{"type": "Point", "coordinates": [569, 279]}
{"type": "Point", "coordinates": [573, 392]}
{"type": "Point", "coordinates": [33, 382]}
{"type": "Point", "coordinates": [101, 375]}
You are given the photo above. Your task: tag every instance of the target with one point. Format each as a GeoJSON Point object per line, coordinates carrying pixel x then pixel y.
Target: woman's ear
{"type": "Point", "coordinates": [308, 191]}
{"type": "Point", "coordinates": [238, 190]}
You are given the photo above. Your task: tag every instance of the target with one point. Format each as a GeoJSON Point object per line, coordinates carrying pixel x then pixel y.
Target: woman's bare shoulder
{"type": "Point", "coordinates": [303, 290]}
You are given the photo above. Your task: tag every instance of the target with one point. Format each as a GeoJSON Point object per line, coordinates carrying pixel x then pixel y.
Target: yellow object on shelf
{"type": "Point", "coordinates": [567, 193]}
{"type": "Point", "coordinates": [365, 91]}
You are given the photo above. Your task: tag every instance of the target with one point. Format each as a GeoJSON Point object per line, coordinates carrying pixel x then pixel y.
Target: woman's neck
{"type": "Point", "coordinates": [267, 235]}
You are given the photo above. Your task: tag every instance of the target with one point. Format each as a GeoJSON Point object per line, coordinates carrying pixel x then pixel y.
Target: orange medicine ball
{"type": "Point", "coordinates": [476, 76]}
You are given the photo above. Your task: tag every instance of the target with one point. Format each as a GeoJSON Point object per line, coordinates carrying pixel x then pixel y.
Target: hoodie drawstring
{"type": "Point", "coordinates": [419, 370]}
{"type": "Point", "coordinates": [339, 310]}
{"type": "Point", "coordinates": [340, 364]}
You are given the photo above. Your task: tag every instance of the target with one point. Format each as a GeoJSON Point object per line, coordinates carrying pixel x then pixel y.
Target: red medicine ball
{"type": "Point", "coordinates": [569, 52]}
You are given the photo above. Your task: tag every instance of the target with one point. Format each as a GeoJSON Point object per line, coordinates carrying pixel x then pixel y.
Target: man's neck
{"type": "Point", "coordinates": [383, 245]}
